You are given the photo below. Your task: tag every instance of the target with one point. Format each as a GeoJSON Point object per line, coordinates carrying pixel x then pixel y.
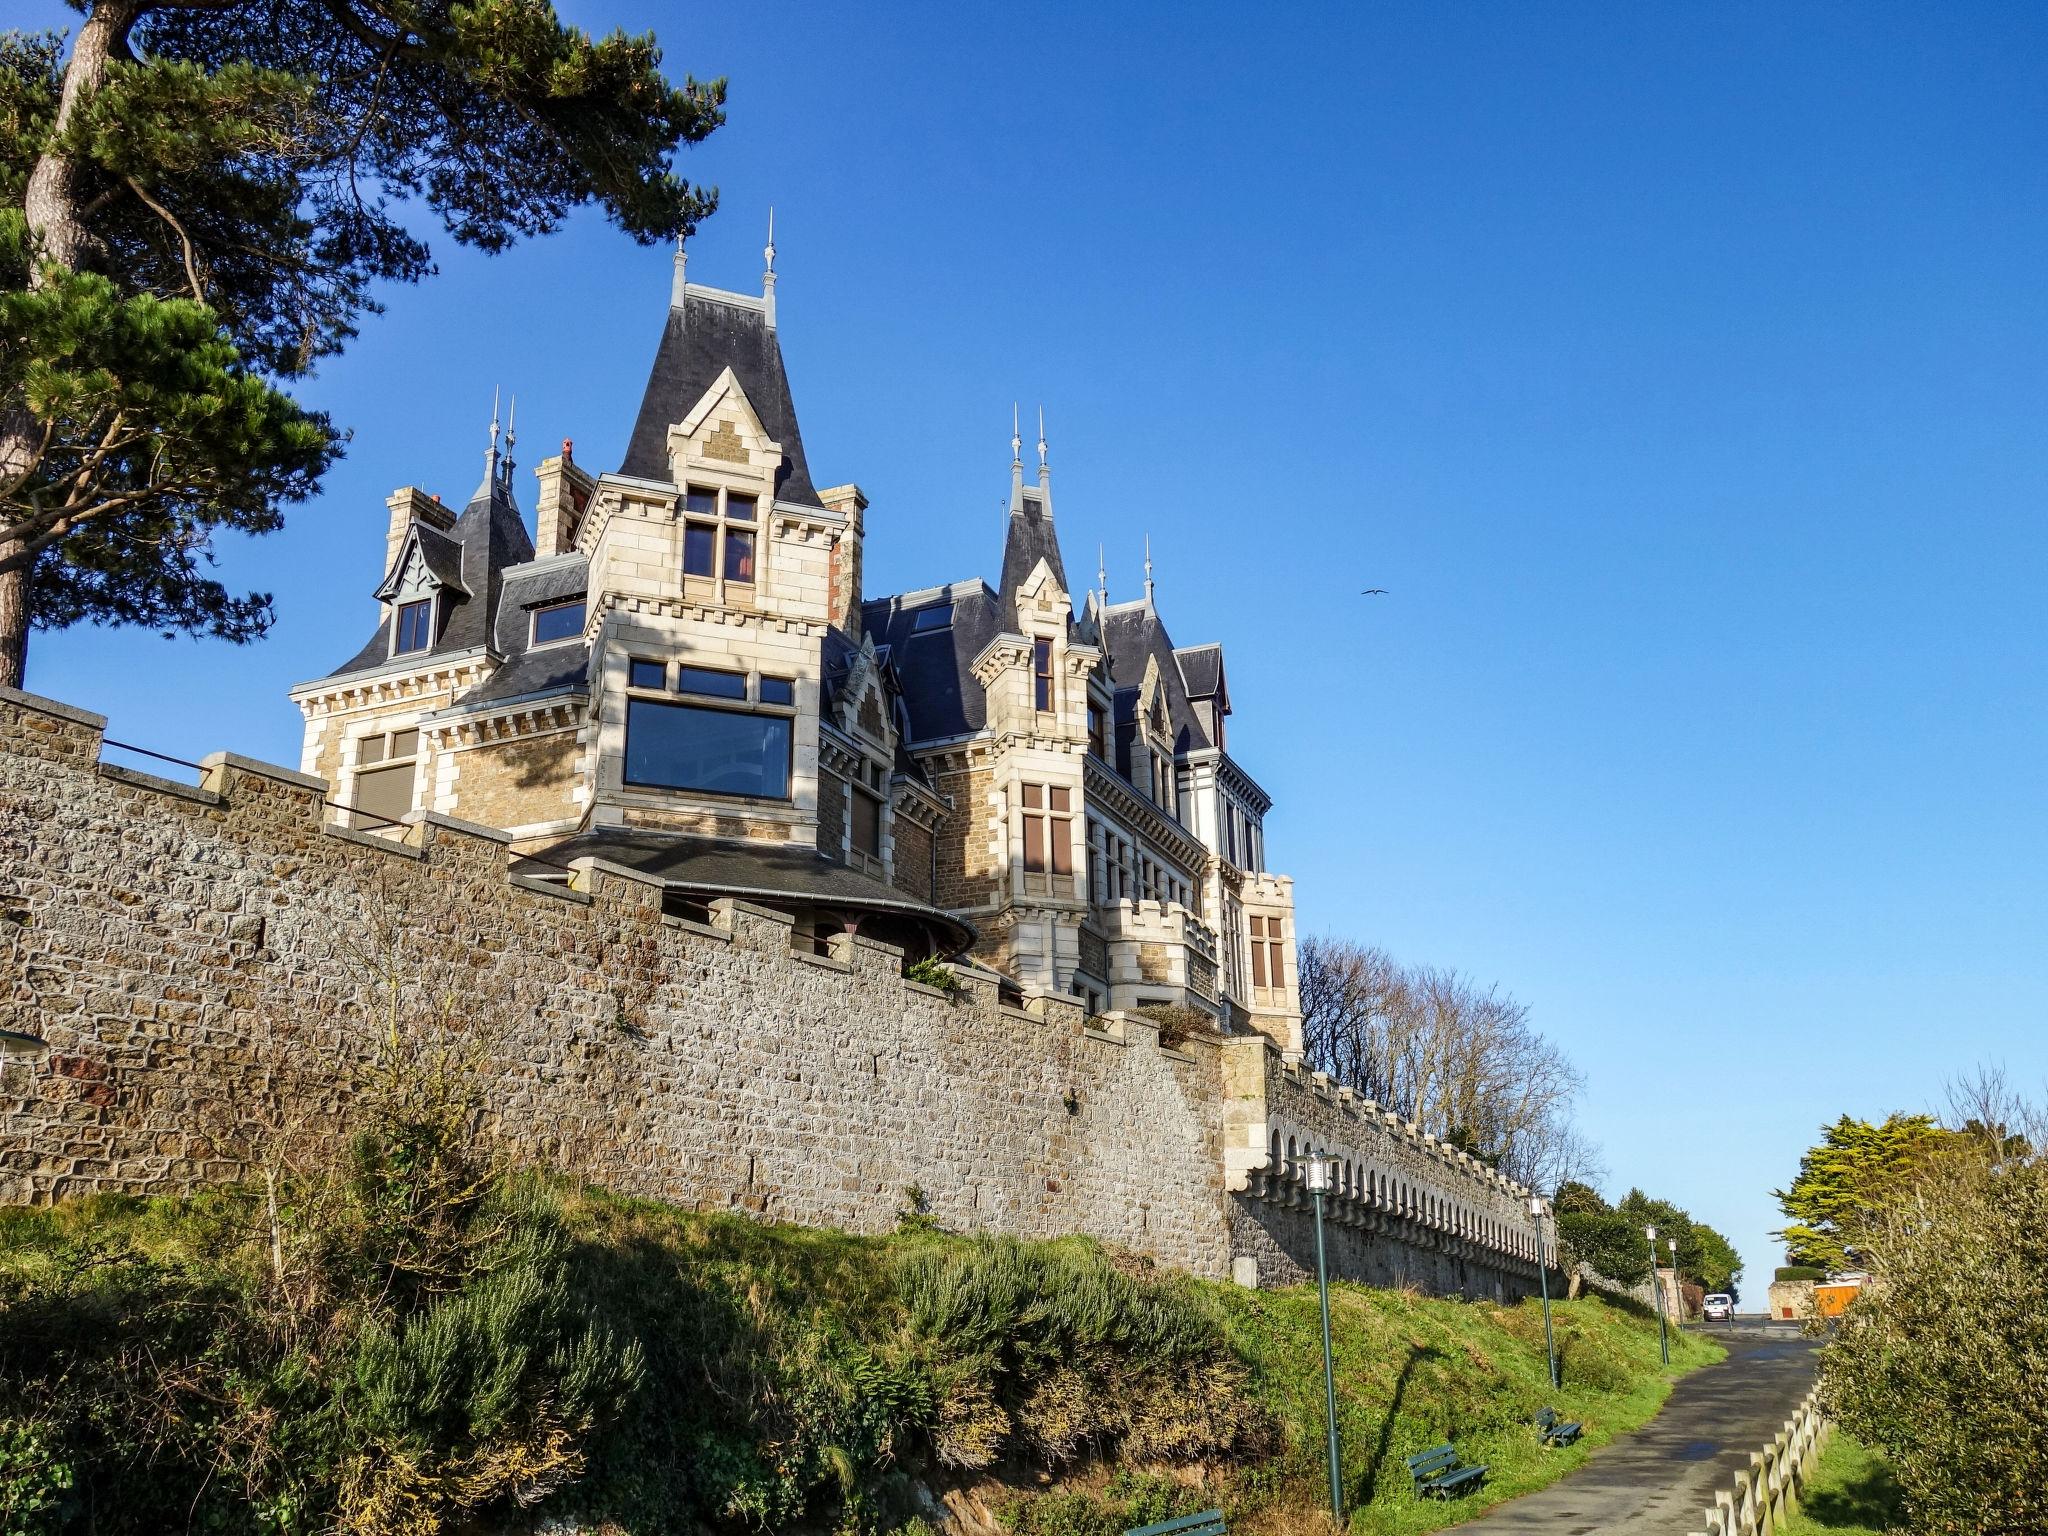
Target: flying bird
{"type": "Point", "coordinates": [1374, 592]}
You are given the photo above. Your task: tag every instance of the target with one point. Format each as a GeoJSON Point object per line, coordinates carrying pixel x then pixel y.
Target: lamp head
{"type": "Point", "coordinates": [1650, 1233]}
{"type": "Point", "coordinates": [1318, 1169]}
{"type": "Point", "coordinates": [1671, 1243]}
{"type": "Point", "coordinates": [1536, 1206]}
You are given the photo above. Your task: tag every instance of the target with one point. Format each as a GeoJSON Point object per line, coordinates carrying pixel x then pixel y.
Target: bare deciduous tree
{"type": "Point", "coordinates": [1460, 1060]}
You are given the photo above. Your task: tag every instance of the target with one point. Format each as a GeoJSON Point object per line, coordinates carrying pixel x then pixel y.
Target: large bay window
{"type": "Point", "coordinates": [740, 747]}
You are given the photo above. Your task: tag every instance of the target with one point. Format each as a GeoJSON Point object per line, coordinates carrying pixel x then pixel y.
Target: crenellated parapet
{"type": "Point", "coordinates": [194, 956]}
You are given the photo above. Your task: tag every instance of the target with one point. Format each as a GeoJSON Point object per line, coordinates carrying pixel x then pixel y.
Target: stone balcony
{"type": "Point", "coordinates": [1154, 945]}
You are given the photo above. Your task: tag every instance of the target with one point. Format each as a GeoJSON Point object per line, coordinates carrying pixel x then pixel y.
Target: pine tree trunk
{"type": "Point", "coordinates": [57, 233]}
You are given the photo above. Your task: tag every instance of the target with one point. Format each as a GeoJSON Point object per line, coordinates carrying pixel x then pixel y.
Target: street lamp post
{"type": "Point", "coordinates": [1318, 1186]}
{"type": "Point", "coordinates": [1677, 1286]}
{"type": "Point", "coordinates": [1543, 1278]}
{"type": "Point", "coordinates": [1657, 1295]}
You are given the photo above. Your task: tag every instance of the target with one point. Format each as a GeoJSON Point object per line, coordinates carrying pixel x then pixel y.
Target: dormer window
{"type": "Point", "coordinates": [413, 627]}
{"type": "Point", "coordinates": [937, 616]}
{"type": "Point", "coordinates": [558, 621]}
{"type": "Point", "coordinates": [719, 536]}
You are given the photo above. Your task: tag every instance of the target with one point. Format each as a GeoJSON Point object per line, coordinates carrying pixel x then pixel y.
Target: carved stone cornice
{"type": "Point", "coordinates": [541, 718]}
{"type": "Point", "coordinates": [339, 695]}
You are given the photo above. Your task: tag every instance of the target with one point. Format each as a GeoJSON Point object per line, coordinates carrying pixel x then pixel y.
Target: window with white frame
{"type": "Point", "coordinates": [412, 626]}
{"type": "Point", "coordinates": [721, 538]}
{"type": "Point", "coordinates": [554, 622]}
{"type": "Point", "coordinates": [387, 768]}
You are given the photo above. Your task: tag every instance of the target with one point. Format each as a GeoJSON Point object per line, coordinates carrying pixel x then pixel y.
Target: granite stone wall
{"type": "Point", "coordinates": [208, 966]}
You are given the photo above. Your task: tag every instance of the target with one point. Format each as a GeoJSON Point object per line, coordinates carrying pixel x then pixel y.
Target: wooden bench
{"type": "Point", "coordinates": [1438, 1474]}
{"type": "Point", "coordinates": [1208, 1523]}
{"type": "Point", "coordinates": [1552, 1430]}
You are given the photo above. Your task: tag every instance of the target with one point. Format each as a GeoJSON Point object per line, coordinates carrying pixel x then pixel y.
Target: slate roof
{"type": "Point", "coordinates": [1201, 668]}
{"type": "Point", "coordinates": [488, 536]}
{"type": "Point", "coordinates": [442, 553]}
{"type": "Point", "coordinates": [1029, 539]}
{"type": "Point", "coordinates": [1132, 635]}
{"type": "Point", "coordinates": [701, 340]}
{"type": "Point", "coordinates": [936, 666]}
{"type": "Point", "coordinates": [777, 871]}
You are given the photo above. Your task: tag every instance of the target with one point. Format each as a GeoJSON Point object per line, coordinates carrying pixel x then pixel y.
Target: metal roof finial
{"type": "Point", "coordinates": [511, 437]}
{"type": "Point", "coordinates": [1016, 439]}
{"type": "Point", "coordinates": [1041, 438]}
{"type": "Point", "coordinates": [1148, 570]}
{"type": "Point", "coordinates": [1102, 574]}
{"type": "Point", "coordinates": [677, 283]}
{"type": "Point", "coordinates": [768, 250]}
{"type": "Point", "coordinates": [768, 277]}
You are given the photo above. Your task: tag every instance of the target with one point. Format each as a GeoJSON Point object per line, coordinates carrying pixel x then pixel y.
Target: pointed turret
{"type": "Point", "coordinates": [1030, 536]}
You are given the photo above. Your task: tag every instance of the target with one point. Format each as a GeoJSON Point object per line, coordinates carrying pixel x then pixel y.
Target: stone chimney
{"type": "Point", "coordinates": [850, 504]}
{"type": "Point", "coordinates": [406, 503]}
{"type": "Point", "coordinates": [565, 490]}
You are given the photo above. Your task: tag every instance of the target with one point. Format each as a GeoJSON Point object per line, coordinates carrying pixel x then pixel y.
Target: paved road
{"type": "Point", "coordinates": [1661, 1480]}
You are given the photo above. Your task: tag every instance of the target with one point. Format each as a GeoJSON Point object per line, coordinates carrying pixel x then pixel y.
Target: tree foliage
{"type": "Point", "coordinates": [1611, 1239]}
{"type": "Point", "coordinates": [1942, 1362]}
{"type": "Point", "coordinates": [1847, 1181]}
{"type": "Point", "coordinates": [237, 173]}
{"type": "Point", "coordinates": [1461, 1060]}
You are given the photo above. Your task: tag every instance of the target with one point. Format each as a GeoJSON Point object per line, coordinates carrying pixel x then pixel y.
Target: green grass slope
{"type": "Point", "coordinates": [352, 1366]}
{"type": "Point", "coordinates": [1852, 1494]}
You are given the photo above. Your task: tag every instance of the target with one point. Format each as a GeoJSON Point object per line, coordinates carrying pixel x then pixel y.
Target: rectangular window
{"type": "Point", "coordinates": [1098, 734]}
{"type": "Point", "coordinates": [415, 627]}
{"type": "Point", "coordinates": [867, 823]}
{"type": "Point", "coordinates": [717, 685]}
{"type": "Point", "coordinates": [1041, 673]}
{"type": "Point", "coordinates": [739, 555]}
{"type": "Point", "coordinates": [739, 508]}
{"type": "Point", "coordinates": [717, 751]}
{"type": "Point", "coordinates": [700, 549]}
{"type": "Point", "coordinates": [558, 621]}
{"type": "Point", "coordinates": [777, 690]}
{"type": "Point", "coordinates": [1269, 953]}
{"type": "Point", "coordinates": [925, 620]}
{"type": "Point", "coordinates": [700, 501]}
{"type": "Point", "coordinates": [386, 765]}
{"type": "Point", "coordinates": [647, 674]}
{"type": "Point", "coordinates": [1048, 829]}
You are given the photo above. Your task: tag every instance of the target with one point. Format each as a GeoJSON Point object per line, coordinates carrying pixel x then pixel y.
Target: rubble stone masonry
{"type": "Point", "coordinates": [200, 962]}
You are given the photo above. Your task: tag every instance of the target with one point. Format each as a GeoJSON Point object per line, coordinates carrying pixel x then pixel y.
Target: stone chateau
{"type": "Point", "coordinates": [677, 670]}
{"type": "Point", "coordinates": [670, 805]}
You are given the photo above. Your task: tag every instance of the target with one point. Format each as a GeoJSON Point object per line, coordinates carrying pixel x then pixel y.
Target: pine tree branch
{"type": "Point", "coordinates": [184, 239]}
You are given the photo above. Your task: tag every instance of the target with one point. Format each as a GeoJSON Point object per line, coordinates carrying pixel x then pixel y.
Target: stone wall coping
{"type": "Point", "coordinates": [263, 770]}
{"type": "Point", "coordinates": [823, 962]}
{"type": "Point", "coordinates": [1090, 1032]}
{"type": "Point", "coordinates": [43, 706]}
{"type": "Point", "coordinates": [553, 888]}
{"type": "Point", "coordinates": [373, 840]}
{"type": "Point", "coordinates": [928, 990]}
{"type": "Point", "coordinates": [425, 818]}
{"type": "Point", "coordinates": [162, 786]}
{"type": "Point", "coordinates": [751, 909]}
{"type": "Point", "coordinates": [1174, 1053]}
{"type": "Point", "coordinates": [590, 864]}
{"type": "Point", "coordinates": [691, 925]}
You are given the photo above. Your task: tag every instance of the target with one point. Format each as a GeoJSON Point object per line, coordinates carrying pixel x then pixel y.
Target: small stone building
{"type": "Point", "coordinates": [675, 669]}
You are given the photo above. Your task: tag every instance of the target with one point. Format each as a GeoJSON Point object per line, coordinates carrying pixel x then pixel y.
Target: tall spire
{"type": "Point", "coordinates": [768, 276]}
{"type": "Point", "coordinates": [506, 467]}
{"type": "Point", "coordinates": [491, 453]}
{"type": "Point", "coordinates": [676, 283]}
{"type": "Point", "coordinates": [1148, 570]}
{"type": "Point", "coordinates": [1102, 574]}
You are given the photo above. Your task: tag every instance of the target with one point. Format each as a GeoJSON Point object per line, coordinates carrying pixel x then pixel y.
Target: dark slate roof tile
{"type": "Point", "coordinates": [700, 341]}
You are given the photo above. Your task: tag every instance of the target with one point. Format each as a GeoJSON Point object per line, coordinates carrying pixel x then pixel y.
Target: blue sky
{"type": "Point", "coordinates": [1678, 369]}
